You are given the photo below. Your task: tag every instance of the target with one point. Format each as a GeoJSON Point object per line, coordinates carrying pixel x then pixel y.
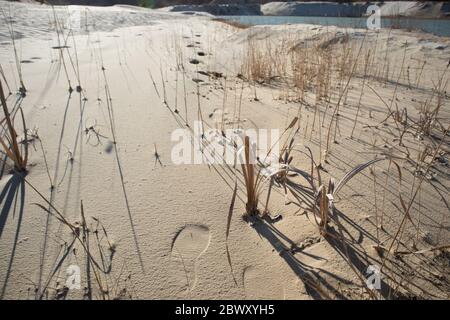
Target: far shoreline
{"type": "Point", "coordinates": [423, 25]}
{"type": "Point", "coordinates": [360, 17]}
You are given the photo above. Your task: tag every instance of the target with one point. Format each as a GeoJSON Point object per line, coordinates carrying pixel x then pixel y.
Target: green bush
{"type": "Point", "coordinates": [147, 3]}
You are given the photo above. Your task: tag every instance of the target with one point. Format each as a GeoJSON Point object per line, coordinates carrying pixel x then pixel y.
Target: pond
{"type": "Point", "coordinates": [439, 27]}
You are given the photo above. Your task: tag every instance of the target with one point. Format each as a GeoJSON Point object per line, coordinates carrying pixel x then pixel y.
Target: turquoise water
{"type": "Point", "coordinates": [438, 27]}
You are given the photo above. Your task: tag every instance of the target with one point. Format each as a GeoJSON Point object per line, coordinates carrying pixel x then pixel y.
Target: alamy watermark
{"type": "Point", "coordinates": [374, 20]}
{"type": "Point", "coordinates": [214, 146]}
{"type": "Point", "coordinates": [73, 280]}
{"type": "Point", "coordinates": [373, 280]}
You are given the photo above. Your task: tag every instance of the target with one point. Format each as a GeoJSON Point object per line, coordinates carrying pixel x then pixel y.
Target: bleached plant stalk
{"type": "Point", "coordinates": [9, 143]}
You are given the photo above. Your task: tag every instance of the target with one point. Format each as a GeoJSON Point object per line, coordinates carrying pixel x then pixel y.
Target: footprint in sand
{"type": "Point", "coordinates": [188, 245]}
{"type": "Point", "coordinates": [260, 285]}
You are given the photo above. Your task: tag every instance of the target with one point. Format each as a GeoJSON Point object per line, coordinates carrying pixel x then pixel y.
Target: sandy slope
{"type": "Point", "coordinates": [166, 223]}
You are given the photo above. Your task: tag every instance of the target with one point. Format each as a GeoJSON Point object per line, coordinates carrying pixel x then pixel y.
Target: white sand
{"type": "Point", "coordinates": [168, 222]}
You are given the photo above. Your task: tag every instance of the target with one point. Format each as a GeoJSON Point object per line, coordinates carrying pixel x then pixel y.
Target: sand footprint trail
{"type": "Point", "coordinates": [187, 247]}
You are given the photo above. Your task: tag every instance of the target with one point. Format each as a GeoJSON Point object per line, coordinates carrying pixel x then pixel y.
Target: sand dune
{"type": "Point", "coordinates": [103, 196]}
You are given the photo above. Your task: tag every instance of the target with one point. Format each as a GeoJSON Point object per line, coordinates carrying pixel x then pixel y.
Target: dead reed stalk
{"type": "Point", "coordinates": [9, 142]}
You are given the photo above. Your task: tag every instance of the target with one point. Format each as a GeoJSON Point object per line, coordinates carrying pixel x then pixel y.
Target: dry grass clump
{"type": "Point", "coordinates": [317, 66]}
{"type": "Point", "coordinates": [256, 65]}
{"type": "Point", "coordinates": [9, 142]}
{"type": "Point", "coordinates": [301, 71]}
{"type": "Point", "coordinates": [429, 117]}
{"type": "Point", "coordinates": [263, 61]}
{"type": "Point", "coordinates": [309, 69]}
{"type": "Point", "coordinates": [255, 179]}
{"type": "Point", "coordinates": [319, 198]}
